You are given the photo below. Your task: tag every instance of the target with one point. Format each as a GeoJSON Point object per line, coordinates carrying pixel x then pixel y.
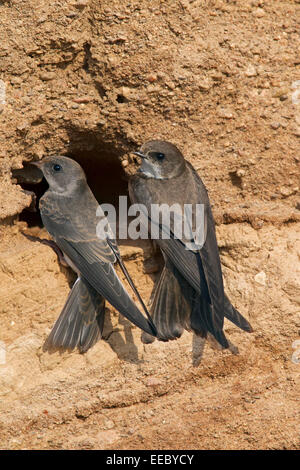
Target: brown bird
{"type": "Point", "coordinates": [190, 292]}
{"type": "Point", "coordinates": [68, 211]}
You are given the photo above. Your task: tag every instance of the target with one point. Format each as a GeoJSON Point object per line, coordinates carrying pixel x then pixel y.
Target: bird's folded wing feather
{"type": "Point", "coordinates": [103, 278]}
{"type": "Point", "coordinates": [92, 257]}
{"type": "Point", "coordinates": [209, 254]}
{"type": "Point", "coordinates": [201, 268]}
{"type": "Point", "coordinates": [79, 226]}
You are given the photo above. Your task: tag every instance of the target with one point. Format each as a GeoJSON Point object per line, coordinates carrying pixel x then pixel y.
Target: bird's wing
{"type": "Point", "coordinates": [92, 257]}
{"type": "Point", "coordinates": [103, 278]}
{"type": "Point", "coordinates": [79, 226]}
{"type": "Point", "coordinates": [190, 265]}
{"type": "Point", "coordinates": [201, 268]}
{"type": "Point", "coordinates": [80, 323]}
{"type": "Point", "coordinates": [209, 254]}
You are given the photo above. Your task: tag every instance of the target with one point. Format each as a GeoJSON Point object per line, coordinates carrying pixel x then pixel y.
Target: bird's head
{"type": "Point", "coordinates": [63, 174]}
{"type": "Point", "coordinates": [160, 160]}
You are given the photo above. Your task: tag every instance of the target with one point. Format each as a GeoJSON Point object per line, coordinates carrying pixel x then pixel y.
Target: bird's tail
{"type": "Point", "coordinates": [80, 323]}
{"type": "Point", "coordinates": [170, 309]}
{"type": "Point", "coordinates": [177, 307]}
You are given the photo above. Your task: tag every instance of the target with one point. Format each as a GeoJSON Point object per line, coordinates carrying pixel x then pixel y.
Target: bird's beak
{"type": "Point", "coordinates": [38, 164]}
{"type": "Point", "coordinates": [140, 154]}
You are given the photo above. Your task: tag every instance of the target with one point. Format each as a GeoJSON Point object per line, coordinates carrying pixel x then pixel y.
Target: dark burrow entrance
{"type": "Point", "coordinates": [105, 177]}
{"type": "Point", "coordinates": [107, 180]}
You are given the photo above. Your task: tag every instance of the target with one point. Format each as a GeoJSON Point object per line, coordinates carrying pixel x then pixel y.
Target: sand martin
{"type": "Point", "coordinates": [68, 211]}
{"type": "Point", "coordinates": [190, 293]}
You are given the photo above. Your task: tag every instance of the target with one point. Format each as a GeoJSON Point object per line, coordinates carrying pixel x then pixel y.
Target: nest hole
{"type": "Point", "coordinates": [104, 173]}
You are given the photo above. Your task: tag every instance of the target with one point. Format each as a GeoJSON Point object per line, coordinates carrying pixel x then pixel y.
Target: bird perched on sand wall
{"type": "Point", "coordinates": [190, 293]}
{"type": "Point", "coordinates": [68, 211]}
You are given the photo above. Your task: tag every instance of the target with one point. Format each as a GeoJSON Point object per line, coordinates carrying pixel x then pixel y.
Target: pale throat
{"type": "Point", "coordinates": [68, 189]}
{"type": "Point", "coordinates": [151, 170]}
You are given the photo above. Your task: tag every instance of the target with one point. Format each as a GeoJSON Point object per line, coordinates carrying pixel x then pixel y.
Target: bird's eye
{"type": "Point", "coordinates": [56, 167]}
{"type": "Point", "coordinates": [157, 155]}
